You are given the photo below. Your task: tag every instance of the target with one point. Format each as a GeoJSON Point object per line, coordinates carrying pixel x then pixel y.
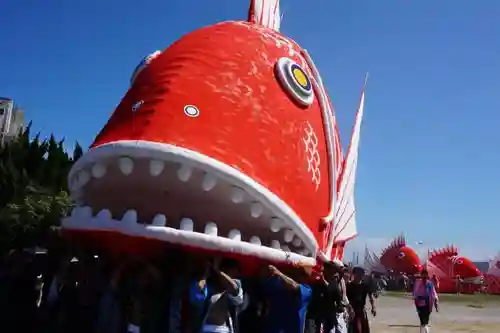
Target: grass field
{"type": "Point", "coordinates": [476, 300]}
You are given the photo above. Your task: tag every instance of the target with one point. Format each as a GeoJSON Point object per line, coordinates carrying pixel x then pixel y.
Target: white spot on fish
{"type": "Point", "coordinates": [191, 111]}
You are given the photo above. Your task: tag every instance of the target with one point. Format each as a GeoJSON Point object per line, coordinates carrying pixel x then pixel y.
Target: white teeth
{"type": "Point", "coordinates": [87, 212]}
{"type": "Point", "coordinates": [159, 220]}
{"type": "Point", "coordinates": [77, 194]}
{"type": "Point", "coordinates": [276, 224]}
{"type": "Point", "coordinates": [288, 236]}
{"type": "Point", "coordinates": [255, 240]}
{"type": "Point", "coordinates": [83, 178]}
{"type": "Point", "coordinates": [256, 209]}
{"type": "Point", "coordinates": [130, 217]}
{"type": "Point", "coordinates": [83, 212]}
{"type": "Point", "coordinates": [156, 167]}
{"type": "Point", "coordinates": [237, 194]}
{"type": "Point", "coordinates": [235, 235]}
{"type": "Point", "coordinates": [209, 182]}
{"type": "Point", "coordinates": [104, 214]}
{"type": "Point", "coordinates": [187, 224]}
{"type": "Point", "coordinates": [98, 170]}
{"type": "Point", "coordinates": [184, 173]}
{"type": "Point", "coordinates": [126, 165]}
{"type": "Point", "coordinates": [211, 229]}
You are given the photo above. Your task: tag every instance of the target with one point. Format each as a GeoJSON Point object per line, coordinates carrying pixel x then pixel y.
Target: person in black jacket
{"type": "Point", "coordinates": [357, 292]}
{"type": "Point", "coordinates": [328, 304]}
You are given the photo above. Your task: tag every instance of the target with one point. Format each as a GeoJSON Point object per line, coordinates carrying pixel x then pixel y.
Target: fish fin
{"type": "Point", "coordinates": [266, 13]}
{"type": "Point", "coordinates": [345, 215]}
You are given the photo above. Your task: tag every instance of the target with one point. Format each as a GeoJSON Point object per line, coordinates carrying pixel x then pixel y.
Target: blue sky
{"type": "Point", "coordinates": [428, 165]}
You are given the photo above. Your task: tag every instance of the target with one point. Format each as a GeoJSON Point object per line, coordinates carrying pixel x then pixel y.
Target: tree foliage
{"type": "Point", "coordinates": [33, 188]}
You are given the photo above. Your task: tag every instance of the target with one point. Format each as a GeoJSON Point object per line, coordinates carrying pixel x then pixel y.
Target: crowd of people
{"type": "Point", "coordinates": [179, 294]}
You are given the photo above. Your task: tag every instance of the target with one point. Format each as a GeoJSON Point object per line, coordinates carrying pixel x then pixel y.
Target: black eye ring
{"type": "Point", "coordinates": [295, 81]}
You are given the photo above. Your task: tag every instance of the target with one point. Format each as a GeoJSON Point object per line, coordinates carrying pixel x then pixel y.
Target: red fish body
{"type": "Point", "coordinates": [446, 264]}
{"type": "Point", "coordinates": [221, 144]}
{"type": "Point", "coordinates": [400, 258]}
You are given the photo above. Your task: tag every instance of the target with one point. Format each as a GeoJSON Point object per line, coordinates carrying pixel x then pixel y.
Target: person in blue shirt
{"type": "Point", "coordinates": [216, 298]}
{"type": "Point", "coordinates": [288, 299]}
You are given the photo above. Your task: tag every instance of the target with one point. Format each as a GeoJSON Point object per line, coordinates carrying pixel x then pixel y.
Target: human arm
{"type": "Point", "coordinates": [229, 284]}
{"type": "Point", "coordinates": [372, 301]}
{"type": "Point", "coordinates": [289, 283]}
{"type": "Point", "coordinates": [117, 275]}
{"type": "Point", "coordinates": [435, 297]}
{"type": "Point", "coordinates": [345, 299]}
{"type": "Point", "coordinates": [154, 272]}
{"type": "Point", "coordinates": [198, 292]}
{"type": "Point", "coordinates": [343, 285]}
{"type": "Point", "coordinates": [234, 291]}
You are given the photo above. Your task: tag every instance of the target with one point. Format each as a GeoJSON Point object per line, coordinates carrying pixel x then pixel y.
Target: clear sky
{"type": "Point", "coordinates": [429, 161]}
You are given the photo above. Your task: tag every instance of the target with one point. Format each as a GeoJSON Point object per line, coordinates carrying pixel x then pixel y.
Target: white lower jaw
{"type": "Point", "coordinates": [187, 238]}
{"type": "Point", "coordinates": [474, 280]}
{"type": "Point", "coordinates": [126, 152]}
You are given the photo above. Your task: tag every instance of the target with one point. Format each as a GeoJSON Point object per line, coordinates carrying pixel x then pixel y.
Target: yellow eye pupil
{"type": "Point", "coordinates": [300, 77]}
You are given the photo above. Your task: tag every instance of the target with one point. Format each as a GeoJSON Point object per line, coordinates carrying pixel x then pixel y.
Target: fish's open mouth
{"type": "Point", "coordinates": [474, 280]}
{"type": "Point", "coordinates": [173, 194]}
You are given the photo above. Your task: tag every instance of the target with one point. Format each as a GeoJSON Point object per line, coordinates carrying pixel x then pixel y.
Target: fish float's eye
{"type": "Point", "coordinates": [191, 111]}
{"type": "Point", "coordinates": [295, 81]}
{"type": "Point", "coordinates": [401, 255]}
{"type": "Point", "coordinates": [144, 62]}
{"type": "Point", "coordinates": [460, 261]}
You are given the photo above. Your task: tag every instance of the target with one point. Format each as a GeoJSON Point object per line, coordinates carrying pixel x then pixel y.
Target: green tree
{"type": "Point", "coordinates": [33, 188]}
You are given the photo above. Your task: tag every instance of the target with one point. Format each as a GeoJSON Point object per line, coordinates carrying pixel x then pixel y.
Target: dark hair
{"type": "Point", "coordinates": [424, 272]}
{"type": "Point", "coordinates": [358, 270]}
{"type": "Point", "coordinates": [228, 263]}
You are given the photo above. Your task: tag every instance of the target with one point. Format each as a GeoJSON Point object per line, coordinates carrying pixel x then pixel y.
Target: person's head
{"type": "Point", "coordinates": [424, 274]}
{"type": "Point", "coordinates": [358, 274]}
{"type": "Point", "coordinates": [333, 269]}
{"type": "Point", "coordinates": [229, 266]}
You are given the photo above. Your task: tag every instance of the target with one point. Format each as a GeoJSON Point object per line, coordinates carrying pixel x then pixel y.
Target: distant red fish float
{"type": "Point", "coordinates": [447, 265]}
{"type": "Point", "coordinates": [225, 142]}
{"type": "Point", "coordinates": [400, 258]}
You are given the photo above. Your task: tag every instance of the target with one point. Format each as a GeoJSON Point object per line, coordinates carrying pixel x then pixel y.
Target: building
{"type": "Point", "coordinates": [11, 119]}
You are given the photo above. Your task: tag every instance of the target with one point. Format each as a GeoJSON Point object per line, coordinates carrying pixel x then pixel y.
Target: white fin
{"type": "Point", "coordinates": [372, 262]}
{"type": "Point", "coordinates": [266, 13]}
{"type": "Point", "coordinates": [494, 266]}
{"type": "Point", "coordinates": [345, 212]}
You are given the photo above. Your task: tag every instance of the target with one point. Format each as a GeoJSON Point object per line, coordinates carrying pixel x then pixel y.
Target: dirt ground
{"type": "Point", "coordinates": [397, 315]}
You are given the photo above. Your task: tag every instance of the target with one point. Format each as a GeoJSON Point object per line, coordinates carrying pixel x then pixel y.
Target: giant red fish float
{"type": "Point", "coordinates": [397, 257]}
{"type": "Point", "coordinates": [447, 265]}
{"type": "Point", "coordinates": [226, 142]}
